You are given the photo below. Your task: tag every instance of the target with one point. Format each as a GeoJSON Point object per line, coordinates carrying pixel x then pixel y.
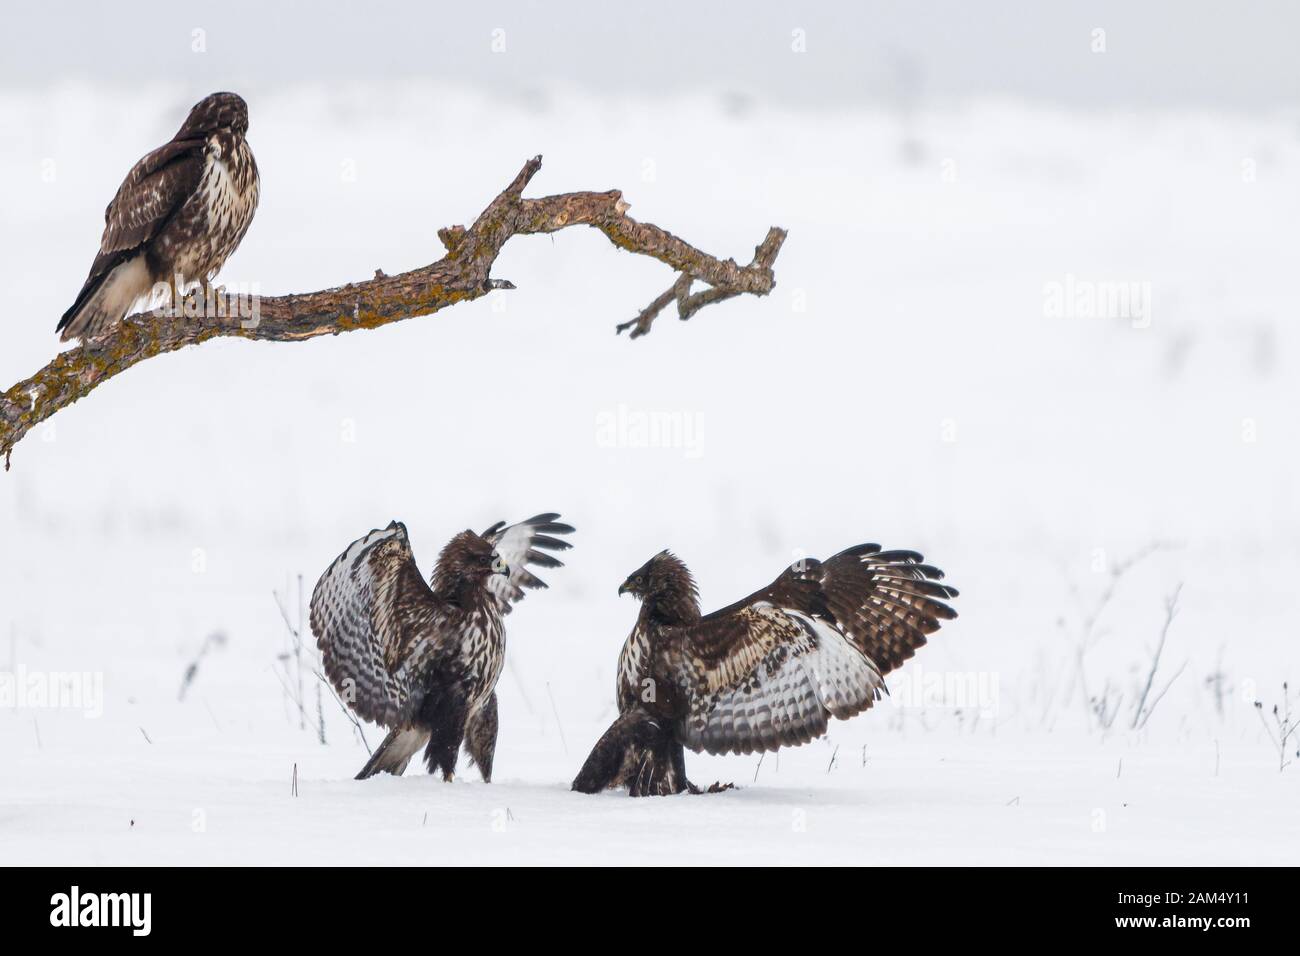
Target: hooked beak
{"type": "Point", "coordinates": [500, 567]}
{"type": "Point", "coordinates": [624, 588]}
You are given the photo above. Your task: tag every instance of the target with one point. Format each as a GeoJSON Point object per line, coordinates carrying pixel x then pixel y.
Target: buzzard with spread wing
{"type": "Point", "coordinates": [178, 216]}
{"type": "Point", "coordinates": [769, 671]}
{"type": "Point", "coordinates": [423, 659]}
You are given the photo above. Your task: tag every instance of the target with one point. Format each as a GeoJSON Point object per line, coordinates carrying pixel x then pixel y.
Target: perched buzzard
{"type": "Point", "coordinates": [766, 672]}
{"type": "Point", "coordinates": [423, 659]}
{"type": "Point", "coordinates": [181, 212]}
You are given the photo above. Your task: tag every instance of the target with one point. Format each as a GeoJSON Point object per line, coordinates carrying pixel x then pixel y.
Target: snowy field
{"type": "Point", "coordinates": [928, 374]}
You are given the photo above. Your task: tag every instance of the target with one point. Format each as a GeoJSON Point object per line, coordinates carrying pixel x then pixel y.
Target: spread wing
{"type": "Point", "coordinates": [377, 625]}
{"type": "Point", "coordinates": [772, 669]}
{"type": "Point", "coordinates": [520, 545]}
{"type": "Point", "coordinates": [153, 191]}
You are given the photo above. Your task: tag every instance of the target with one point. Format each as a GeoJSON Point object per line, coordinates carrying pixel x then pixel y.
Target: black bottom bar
{"type": "Point", "coordinates": [237, 905]}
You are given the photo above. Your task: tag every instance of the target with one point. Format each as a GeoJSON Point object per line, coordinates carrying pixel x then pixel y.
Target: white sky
{"type": "Point", "coordinates": [1164, 53]}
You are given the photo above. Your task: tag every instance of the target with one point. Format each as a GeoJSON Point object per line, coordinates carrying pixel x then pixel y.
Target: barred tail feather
{"type": "Point", "coordinates": [105, 303]}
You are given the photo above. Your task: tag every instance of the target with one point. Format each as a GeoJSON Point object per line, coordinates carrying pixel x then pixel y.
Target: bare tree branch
{"type": "Point", "coordinates": [462, 275]}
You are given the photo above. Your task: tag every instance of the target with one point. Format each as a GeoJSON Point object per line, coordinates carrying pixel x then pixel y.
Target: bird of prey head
{"type": "Point", "coordinates": [665, 585]}
{"type": "Point", "coordinates": [216, 112]}
{"type": "Point", "coordinates": [469, 557]}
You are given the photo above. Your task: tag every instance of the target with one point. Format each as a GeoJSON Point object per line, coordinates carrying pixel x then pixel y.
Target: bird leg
{"type": "Point", "coordinates": [213, 300]}
{"type": "Point", "coordinates": [185, 304]}
{"type": "Point", "coordinates": [679, 769]}
{"type": "Point", "coordinates": [441, 755]}
{"type": "Point", "coordinates": [175, 305]}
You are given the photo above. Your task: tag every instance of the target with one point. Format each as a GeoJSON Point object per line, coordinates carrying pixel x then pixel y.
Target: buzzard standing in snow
{"type": "Point", "coordinates": [178, 216]}
{"type": "Point", "coordinates": [766, 672]}
{"type": "Point", "coordinates": [423, 659]}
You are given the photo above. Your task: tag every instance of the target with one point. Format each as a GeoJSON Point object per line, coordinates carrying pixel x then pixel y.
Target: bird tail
{"type": "Point", "coordinates": [106, 301]}
{"type": "Point", "coordinates": [395, 752]}
{"type": "Point", "coordinates": [639, 753]}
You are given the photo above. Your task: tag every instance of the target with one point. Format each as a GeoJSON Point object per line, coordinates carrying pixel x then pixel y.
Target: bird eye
{"type": "Point", "coordinates": [638, 579]}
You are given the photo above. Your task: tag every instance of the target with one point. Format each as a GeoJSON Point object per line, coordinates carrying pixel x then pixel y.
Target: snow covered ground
{"type": "Point", "coordinates": [928, 374]}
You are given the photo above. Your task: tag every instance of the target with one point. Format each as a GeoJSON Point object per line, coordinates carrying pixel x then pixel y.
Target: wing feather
{"type": "Point", "coordinates": [154, 190]}
{"type": "Point", "coordinates": [519, 546]}
{"type": "Point", "coordinates": [377, 625]}
{"type": "Point", "coordinates": [786, 675]}
{"type": "Point", "coordinates": [773, 668]}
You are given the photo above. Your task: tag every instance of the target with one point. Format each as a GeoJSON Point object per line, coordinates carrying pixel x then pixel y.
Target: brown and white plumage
{"type": "Point", "coordinates": [179, 214]}
{"type": "Point", "coordinates": [769, 671]}
{"type": "Point", "coordinates": [424, 659]}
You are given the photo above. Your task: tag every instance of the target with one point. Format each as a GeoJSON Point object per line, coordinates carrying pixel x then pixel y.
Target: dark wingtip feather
{"type": "Point", "coordinates": [543, 559]}
{"type": "Point", "coordinates": [928, 571]}
{"type": "Point", "coordinates": [541, 524]}
{"type": "Point", "coordinates": [857, 551]}
{"type": "Point", "coordinates": [554, 527]}
{"type": "Point", "coordinates": [899, 557]}
{"type": "Point", "coordinates": [551, 544]}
